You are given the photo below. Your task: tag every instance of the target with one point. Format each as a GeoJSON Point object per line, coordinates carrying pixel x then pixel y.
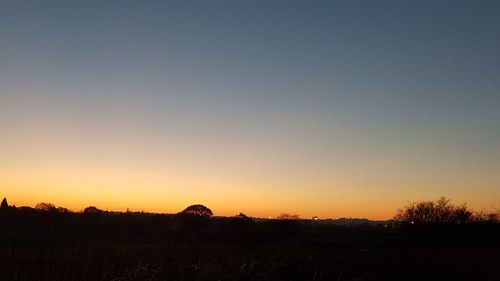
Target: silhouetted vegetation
{"type": "Point", "coordinates": [92, 210]}
{"type": "Point", "coordinates": [193, 218]}
{"type": "Point", "coordinates": [286, 216]}
{"type": "Point", "coordinates": [4, 204]}
{"type": "Point", "coordinates": [439, 212]}
{"type": "Point", "coordinates": [197, 210]}
{"type": "Point", "coordinates": [242, 216]}
{"type": "Point", "coordinates": [490, 217]}
{"type": "Point", "coordinates": [46, 207]}
{"type": "Point", "coordinates": [46, 244]}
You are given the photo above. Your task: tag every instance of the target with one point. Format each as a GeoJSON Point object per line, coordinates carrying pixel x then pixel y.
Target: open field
{"type": "Point", "coordinates": [135, 246]}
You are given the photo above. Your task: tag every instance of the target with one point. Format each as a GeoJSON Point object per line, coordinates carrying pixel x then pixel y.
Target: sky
{"type": "Point", "coordinates": [317, 108]}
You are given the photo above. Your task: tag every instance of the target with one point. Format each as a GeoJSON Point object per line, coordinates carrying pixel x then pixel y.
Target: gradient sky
{"type": "Point", "coordinates": [328, 108]}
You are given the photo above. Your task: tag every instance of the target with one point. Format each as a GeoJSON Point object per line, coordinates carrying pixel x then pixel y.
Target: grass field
{"type": "Point", "coordinates": [237, 262]}
{"type": "Point", "coordinates": [72, 247]}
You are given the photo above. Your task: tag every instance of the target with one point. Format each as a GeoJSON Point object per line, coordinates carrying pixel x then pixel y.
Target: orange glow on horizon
{"type": "Point", "coordinates": [118, 191]}
{"type": "Point", "coordinates": [260, 181]}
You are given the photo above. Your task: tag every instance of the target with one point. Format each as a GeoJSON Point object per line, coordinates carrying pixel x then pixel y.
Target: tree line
{"type": "Point", "coordinates": [440, 211]}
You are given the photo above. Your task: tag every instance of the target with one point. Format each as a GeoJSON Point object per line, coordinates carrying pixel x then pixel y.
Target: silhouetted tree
{"type": "Point", "coordinates": [242, 216]}
{"type": "Point", "coordinates": [485, 217]}
{"type": "Point", "coordinates": [92, 210]}
{"type": "Point", "coordinates": [194, 218]}
{"type": "Point", "coordinates": [285, 226]}
{"type": "Point", "coordinates": [62, 210]}
{"type": "Point", "coordinates": [286, 216]}
{"type": "Point", "coordinates": [240, 224]}
{"type": "Point", "coordinates": [4, 205]}
{"type": "Point", "coordinates": [197, 210]}
{"type": "Point", "coordinates": [46, 207]}
{"type": "Point", "coordinates": [439, 211]}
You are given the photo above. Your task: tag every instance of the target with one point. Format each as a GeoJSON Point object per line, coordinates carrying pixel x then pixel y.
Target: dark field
{"type": "Point", "coordinates": [137, 246]}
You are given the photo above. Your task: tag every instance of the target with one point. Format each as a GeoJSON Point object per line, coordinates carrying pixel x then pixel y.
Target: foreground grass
{"type": "Point", "coordinates": [51, 246]}
{"type": "Point", "coordinates": [237, 262]}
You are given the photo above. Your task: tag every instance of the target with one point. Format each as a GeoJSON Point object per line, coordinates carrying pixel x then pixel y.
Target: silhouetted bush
{"type": "Point", "coordinates": [439, 211]}
{"type": "Point", "coordinates": [485, 217]}
{"type": "Point", "coordinates": [286, 216]}
{"type": "Point", "coordinates": [242, 216]}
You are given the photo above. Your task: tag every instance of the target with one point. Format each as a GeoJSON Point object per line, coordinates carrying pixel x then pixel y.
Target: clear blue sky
{"type": "Point", "coordinates": [334, 108]}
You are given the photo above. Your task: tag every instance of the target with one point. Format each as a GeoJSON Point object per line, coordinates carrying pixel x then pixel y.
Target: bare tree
{"type": "Point", "coordinates": [485, 217]}
{"type": "Point", "coordinates": [439, 211]}
{"type": "Point", "coordinates": [286, 216]}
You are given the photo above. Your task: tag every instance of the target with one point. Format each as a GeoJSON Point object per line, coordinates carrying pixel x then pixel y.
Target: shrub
{"type": "Point", "coordinates": [287, 217]}
{"type": "Point", "coordinates": [439, 211]}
